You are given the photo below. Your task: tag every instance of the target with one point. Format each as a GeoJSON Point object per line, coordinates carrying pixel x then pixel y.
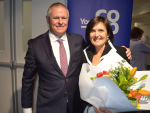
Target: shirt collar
{"type": "Point", "coordinates": [55, 38]}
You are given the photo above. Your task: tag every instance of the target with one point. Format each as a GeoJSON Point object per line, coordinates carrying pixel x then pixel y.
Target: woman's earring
{"type": "Point", "coordinates": [108, 40]}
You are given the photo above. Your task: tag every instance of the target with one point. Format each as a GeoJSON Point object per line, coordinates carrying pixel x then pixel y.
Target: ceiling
{"type": "Point", "coordinates": [139, 3]}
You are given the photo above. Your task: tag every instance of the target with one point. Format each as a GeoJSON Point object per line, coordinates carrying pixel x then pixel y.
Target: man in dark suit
{"type": "Point", "coordinates": [57, 92]}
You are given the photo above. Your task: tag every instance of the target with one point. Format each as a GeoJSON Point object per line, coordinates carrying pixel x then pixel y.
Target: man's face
{"type": "Point", "coordinates": [58, 20]}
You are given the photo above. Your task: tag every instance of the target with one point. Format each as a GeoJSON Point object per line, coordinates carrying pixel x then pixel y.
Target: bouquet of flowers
{"type": "Point", "coordinates": [124, 79]}
{"type": "Point", "coordinates": [121, 89]}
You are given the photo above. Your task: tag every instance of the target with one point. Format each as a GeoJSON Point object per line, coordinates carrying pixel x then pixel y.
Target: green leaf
{"type": "Point", "coordinates": [126, 92]}
{"type": "Point", "coordinates": [139, 88]}
{"type": "Point", "coordinates": [123, 61]}
{"type": "Point", "coordinates": [92, 78]}
{"type": "Point", "coordinates": [143, 77]}
{"type": "Point", "coordinates": [122, 79]}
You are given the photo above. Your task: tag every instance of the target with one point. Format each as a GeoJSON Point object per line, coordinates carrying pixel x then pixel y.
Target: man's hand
{"type": "Point", "coordinates": [128, 52]}
{"type": "Point", "coordinates": [101, 110]}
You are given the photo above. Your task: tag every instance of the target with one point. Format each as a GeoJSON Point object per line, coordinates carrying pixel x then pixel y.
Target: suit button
{"type": "Point", "coordinates": [65, 95]}
{"type": "Point", "coordinates": [66, 79]}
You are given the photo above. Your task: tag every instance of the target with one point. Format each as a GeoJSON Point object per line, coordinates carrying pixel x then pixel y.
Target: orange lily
{"type": "Point", "coordinates": [144, 92]}
{"type": "Point", "coordinates": [134, 94]}
{"type": "Point", "coordinates": [132, 73]}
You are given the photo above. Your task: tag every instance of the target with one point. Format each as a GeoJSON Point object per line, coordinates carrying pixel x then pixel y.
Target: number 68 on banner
{"type": "Point", "coordinates": [113, 21]}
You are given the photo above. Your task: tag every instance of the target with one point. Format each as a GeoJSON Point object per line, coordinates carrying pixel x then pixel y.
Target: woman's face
{"type": "Point", "coordinates": [98, 35]}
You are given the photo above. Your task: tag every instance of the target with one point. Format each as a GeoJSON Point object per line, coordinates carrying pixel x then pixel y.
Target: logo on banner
{"type": "Point", "coordinates": [113, 21]}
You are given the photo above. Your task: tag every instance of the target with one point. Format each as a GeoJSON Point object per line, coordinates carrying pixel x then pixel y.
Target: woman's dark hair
{"type": "Point", "coordinates": [93, 22]}
{"type": "Point", "coordinates": [136, 32]}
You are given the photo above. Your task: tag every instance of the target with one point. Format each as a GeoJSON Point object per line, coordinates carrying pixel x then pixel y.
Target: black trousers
{"type": "Point", "coordinates": [68, 108]}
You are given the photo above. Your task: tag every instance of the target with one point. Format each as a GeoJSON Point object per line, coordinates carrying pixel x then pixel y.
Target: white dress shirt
{"type": "Point", "coordinates": [55, 48]}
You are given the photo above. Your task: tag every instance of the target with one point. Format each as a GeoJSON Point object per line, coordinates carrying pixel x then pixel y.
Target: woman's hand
{"type": "Point", "coordinates": [128, 52]}
{"type": "Point", "coordinates": [101, 110]}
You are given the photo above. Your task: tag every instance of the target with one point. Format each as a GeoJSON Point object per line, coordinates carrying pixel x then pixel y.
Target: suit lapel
{"type": "Point", "coordinates": [107, 49]}
{"type": "Point", "coordinates": [71, 48]}
{"type": "Point", "coordinates": [90, 53]}
{"type": "Point", "coordinates": [49, 51]}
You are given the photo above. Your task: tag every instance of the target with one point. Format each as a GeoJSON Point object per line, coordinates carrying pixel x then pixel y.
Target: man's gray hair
{"type": "Point", "coordinates": [58, 4]}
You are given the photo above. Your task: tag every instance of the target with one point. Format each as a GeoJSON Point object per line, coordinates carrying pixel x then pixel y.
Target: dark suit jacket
{"type": "Point", "coordinates": [54, 88]}
{"type": "Point", "coordinates": [90, 52]}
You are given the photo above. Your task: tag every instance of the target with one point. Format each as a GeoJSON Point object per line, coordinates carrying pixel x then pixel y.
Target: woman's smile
{"type": "Point", "coordinates": [98, 35]}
